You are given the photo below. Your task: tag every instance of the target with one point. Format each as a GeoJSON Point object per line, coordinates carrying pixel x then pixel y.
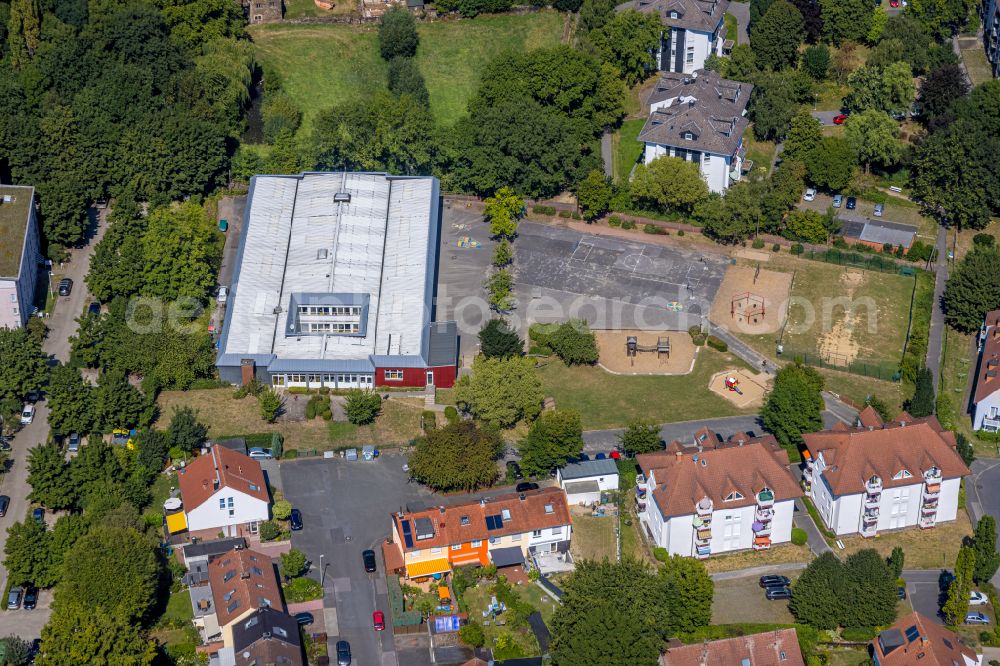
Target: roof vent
{"type": "Point", "coordinates": [342, 197]}
{"type": "Point", "coordinates": [704, 463]}
{"type": "Point", "coordinates": [441, 509]}
{"type": "Point", "coordinates": [7, 198]}
{"type": "Point", "coordinates": [482, 502]}
{"type": "Point", "coordinates": [521, 496]}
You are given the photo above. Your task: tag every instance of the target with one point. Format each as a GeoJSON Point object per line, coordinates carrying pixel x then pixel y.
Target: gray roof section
{"type": "Point", "coordinates": [214, 547]}
{"type": "Point", "coordinates": [507, 557]}
{"type": "Point", "coordinates": [851, 228]}
{"type": "Point", "coordinates": [266, 623]}
{"type": "Point", "coordinates": [14, 216]}
{"type": "Point", "coordinates": [708, 106]}
{"type": "Point", "coordinates": [442, 344]}
{"type": "Point", "coordinates": [700, 15]}
{"type": "Point", "coordinates": [588, 468]}
{"type": "Point", "coordinates": [581, 487]}
{"type": "Point", "coordinates": [877, 231]}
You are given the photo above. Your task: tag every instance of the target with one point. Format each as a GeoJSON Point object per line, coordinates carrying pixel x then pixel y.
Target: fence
{"type": "Point", "coordinates": [400, 617]}
{"type": "Point", "coordinates": [872, 262]}
{"type": "Point", "coordinates": [865, 367]}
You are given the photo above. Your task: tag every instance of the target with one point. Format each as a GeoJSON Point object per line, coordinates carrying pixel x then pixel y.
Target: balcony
{"type": "Point", "coordinates": [873, 486]}
{"type": "Point", "coordinates": [761, 543]}
{"type": "Point", "coordinates": [704, 507]}
{"type": "Point", "coordinates": [872, 501]}
{"type": "Point", "coordinates": [702, 552]}
{"type": "Point", "coordinates": [764, 514]}
{"type": "Point", "coordinates": [765, 499]}
{"type": "Point", "coordinates": [869, 517]}
{"type": "Point", "coordinates": [869, 530]}
{"type": "Point", "coordinates": [932, 475]}
{"type": "Point", "coordinates": [703, 535]}
{"type": "Point", "coordinates": [763, 530]}
{"type": "Point", "coordinates": [640, 505]}
{"type": "Point", "coordinates": [641, 483]}
{"type": "Point", "coordinates": [926, 522]}
{"type": "Point", "coordinates": [990, 425]}
{"type": "Point", "coordinates": [929, 509]}
{"type": "Point", "coordinates": [932, 489]}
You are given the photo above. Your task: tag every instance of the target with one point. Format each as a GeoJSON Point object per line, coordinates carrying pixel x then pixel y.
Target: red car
{"type": "Point", "coordinates": [894, 3]}
{"type": "Point", "coordinates": [378, 620]}
{"type": "Point", "coordinates": [839, 120]}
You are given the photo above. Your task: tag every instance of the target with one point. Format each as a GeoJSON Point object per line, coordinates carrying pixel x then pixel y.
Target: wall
{"type": "Point", "coordinates": [17, 296]}
{"type": "Point", "coordinates": [208, 515]}
{"type": "Point", "coordinates": [948, 500]}
{"type": "Point", "coordinates": [444, 377]}
{"type": "Point", "coordinates": [467, 553]}
{"type": "Point", "coordinates": [982, 407]}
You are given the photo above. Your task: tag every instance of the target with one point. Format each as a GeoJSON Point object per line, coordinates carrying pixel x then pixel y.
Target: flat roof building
{"type": "Point", "coordinates": [20, 254]}
{"type": "Point", "coordinates": [335, 283]}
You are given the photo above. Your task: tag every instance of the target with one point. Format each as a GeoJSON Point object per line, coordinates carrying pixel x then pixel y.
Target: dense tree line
{"type": "Point", "coordinates": [858, 592]}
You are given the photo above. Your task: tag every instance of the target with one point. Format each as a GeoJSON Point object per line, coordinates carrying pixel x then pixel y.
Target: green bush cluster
{"type": "Point", "coordinates": [543, 210]}
{"type": "Point", "coordinates": [717, 344]}
{"type": "Point", "coordinates": [655, 229]}
{"type": "Point", "coordinates": [577, 216]}
{"type": "Point", "coordinates": [680, 232]}
{"type": "Point", "coordinates": [858, 634]}
{"type": "Point", "coordinates": [269, 530]}
{"type": "Point", "coordinates": [697, 336]}
{"type": "Point", "coordinates": [564, 214]}
{"type": "Point", "coordinates": [319, 405]}
{"type": "Point", "coordinates": [451, 413]}
{"type": "Point", "coordinates": [628, 224]}
{"type": "Point", "coordinates": [661, 554]}
{"type": "Point", "coordinates": [799, 536]}
{"type": "Point", "coordinates": [303, 589]}
{"type": "Point", "coordinates": [428, 420]}
{"type": "Point", "coordinates": [776, 247]}
{"type": "Point", "coordinates": [758, 243]}
{"type": "Point", "coordinates": [290, 455]}
{"type": "Point", "coordinates": [614, 221]}
{"type": "Point", "coordinates": [798, 248]}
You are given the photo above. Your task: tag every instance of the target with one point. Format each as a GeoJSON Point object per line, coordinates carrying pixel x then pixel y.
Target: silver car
{"type": "Point", "coordinates": [879, 209]}
{"type": "Point", "coordinates": [838, 200]}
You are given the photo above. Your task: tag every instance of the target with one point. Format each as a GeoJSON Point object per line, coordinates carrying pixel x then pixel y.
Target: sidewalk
{"type": "Point", "coordinates": [802, 520]}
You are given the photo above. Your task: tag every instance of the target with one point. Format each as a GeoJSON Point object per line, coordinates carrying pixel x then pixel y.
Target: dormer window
{"type": "Point", "coordinates": [733, 496]}
{"type": "Point", "coordinates": [902, 474]}
{"type": "Point", "coordinates": [464, 520]}
{"type": "Point", "coordinates": [688, 136]}
{"type": "Point", "coordinates": [673, 14]}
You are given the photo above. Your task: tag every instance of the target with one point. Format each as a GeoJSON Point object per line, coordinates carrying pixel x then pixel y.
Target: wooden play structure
{"type": "Point", "coordinates": [747, 307]}
{"type": "Point", "coordinates": [662, 347]}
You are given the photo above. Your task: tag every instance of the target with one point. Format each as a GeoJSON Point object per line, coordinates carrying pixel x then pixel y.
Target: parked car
{"type": "Point", "coordinates": [839, 120]}
{"type": "Point", "coordinates": [368, 557]}
{"type": "Point", "coordinates": [343, 653]}
{"type": "Point", "coordinates": [94, 308]}
{"type": "Point", "coordinates": [977, 618]}
{"type": "Point", "coordinates": [894, 3]}
{"type": "Point", "coordinates": [4, 444]}
{"type": "Point", "coordinates": [4, 503]}
{"type": "Point", "coordinates": [378, 621]}
{"type": "Point", "coordinates": [525, 486]}
{"type": "Point", "coordinates": [838, 200]}
{"type": "Point", "coordinates": [583, 457]}
{"type": "Point", "coordinates": [977, 598]}
{"type": "Point", "coordinates": [600, 456]}
{"type": "Point", "coordinates": [295, 520]}
{"type": "Point", "coordinates": [810, 194]}
{"type": "Point", "coordinates": [14, 598]}
{"type": "Point", "coordinates": [27, 414]}
{"type": "Point", "coordinates": [65, 287]}
{"type": "Point", "coordinates": [901, 592]}
{"type": "Point", "coordinates": [945, 579]}
{"type": "Point", "coordinates": [74, 442]}
{"type": "Point", "coordinates": [304, 618]}
{"type": "Point", "coordinates": [775, 593]}
{"type": "Point", "coordinates": [852, 203]}
{"type": "Point", "coordinates": [774, 581]}
{"type": "Point", "coordinates": [515, 470]}
{"type": "Point", "coordinates": [30, 597]}
{"type": "Point", "coordinates": [223, 295]}
{"type": "Point", "coordinates": [258, 453]}
{"type": "Point", "coordinates": [879, 209]}
{"type": "Point", "coordinates": [39, 515]}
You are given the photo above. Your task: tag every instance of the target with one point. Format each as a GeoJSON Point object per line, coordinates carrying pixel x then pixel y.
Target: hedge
{"type": "Point", "coordinates": [757, 244]}
{"type": "Point", "coordinates": [290, 455]}
{"type": "Point", "coordinates": [798, 248]}
{"type": "Point", "coordinates": [544, 210]}
{"type": "Point", "coordinates": [799, 536]}
{"type": "Point", "coordinates": [614, 221]}
{"type": "Point", "coordinates": [717, 344]}
{"type": "Point", "coordinates": [451, 414]}
{"type": "Point", "coordinates": [858, 634]}
{"type": "Point", "coordinates": [628, 224]}
{"type": "Point", "coordinates": [564, 214]}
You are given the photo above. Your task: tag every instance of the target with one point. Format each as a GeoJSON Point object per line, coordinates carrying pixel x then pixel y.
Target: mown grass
{"type": "Point", "coordinates": [627, 148]}
{"type": "Point", "coordinates": [925, 549]}
{"type": "Point", "coordinates": [593, 538]}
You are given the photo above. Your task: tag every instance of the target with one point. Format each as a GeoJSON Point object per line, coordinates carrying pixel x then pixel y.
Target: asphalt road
{"type": "Point", "coordinates": [983, 493]}
{"type": "Point", "coordinates": [924, 592]}
{"type": "Point", "coordinates": [741, 11]}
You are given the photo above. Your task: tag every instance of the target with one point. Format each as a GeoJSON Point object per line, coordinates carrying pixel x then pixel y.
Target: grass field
{"type": "Point", "coordinates": [611, 401]}
{"type": "Point", "coordinates": [323, 65]}
{"type": "Point", "coordinates": [977, 65]}
{"type": "Point", "coordinates": [925, 549]}
{"type": "Point", "coordinates": [303, 8]}
{"type": "Point", "coordinates": [857, 388]}
{"type": "Point", "coordinates": [478, 599]}
{"type": "Point", "coordinates": [732, 29]}
{"type": "Point", "coordinates": [761, 152]}
{"type": "Point", "coordinates": [627, 148]}
{"type": "Point", "coordinates": [744, 559]}
{"type": "Point", "coordinates": [593, 538]}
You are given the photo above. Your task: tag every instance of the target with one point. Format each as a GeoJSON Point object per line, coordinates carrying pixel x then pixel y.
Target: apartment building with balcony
{"type": "Point", "coordinates": [504, 530]}
{"type": "Point", "coordinates": [692, 31]}
{"type": "Point", "coordinates": [710, 496]}
{"type": "Point", "coordinates": [990, 14]}
{"type": "Point", "coordinates": [986, 393]}
{"type": "Point", "coordinates": [902, 473]}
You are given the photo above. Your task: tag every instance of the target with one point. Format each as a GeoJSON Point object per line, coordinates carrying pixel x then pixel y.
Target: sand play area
{"type": "Point", "coordinates": [752, 387]}
{"type": "Point", "coordinates": [612, 346]}
{"type": "Point", "coordinates": [751, 300]}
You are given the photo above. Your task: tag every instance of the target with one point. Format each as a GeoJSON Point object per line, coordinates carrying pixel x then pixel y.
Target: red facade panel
{"type": "Point", "coordinates": [444, 377]}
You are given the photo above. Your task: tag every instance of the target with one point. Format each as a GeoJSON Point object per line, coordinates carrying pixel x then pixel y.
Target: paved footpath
{"type": "Point", "coordinates": [935, 337]}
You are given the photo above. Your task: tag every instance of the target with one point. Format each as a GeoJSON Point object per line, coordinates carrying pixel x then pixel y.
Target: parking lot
{"type": "Point", "coordinates": [560, 274]}
{"type": "Point", "coordinates": [924, 592]}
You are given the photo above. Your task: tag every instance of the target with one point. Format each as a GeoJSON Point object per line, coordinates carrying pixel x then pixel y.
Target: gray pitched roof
{"type": "Point", "coordinates": [877, 231]}
{"type": "Point", "coordinates": [704, 104]}
{"type": "Point", "coordinates": [701, 15]}
{"type": "Point", "coordinates": [589, 468]}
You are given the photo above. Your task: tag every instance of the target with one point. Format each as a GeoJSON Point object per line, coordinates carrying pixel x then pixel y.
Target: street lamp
{"type": "Point", "coordinates": [322, 571]}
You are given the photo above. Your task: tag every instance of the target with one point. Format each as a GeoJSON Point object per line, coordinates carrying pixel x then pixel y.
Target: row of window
{"type": "Point", "coordinates": [337, 328]}
{"type": "Point", "coordinates": [281, 380]}
{"type": "Point", "coordinates": [330, 310]}
{"type": "Point", "coordinates": [535, 534]}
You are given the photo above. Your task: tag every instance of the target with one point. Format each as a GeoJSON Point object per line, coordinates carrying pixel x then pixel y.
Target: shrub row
{"type": "Point", "coordinates": [543, 210]}
{"type": "Point", "coordinates": [717, 344]}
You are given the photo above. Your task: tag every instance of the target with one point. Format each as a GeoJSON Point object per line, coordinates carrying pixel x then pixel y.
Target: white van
{"type": "Point", "coordinates": [223, 294]}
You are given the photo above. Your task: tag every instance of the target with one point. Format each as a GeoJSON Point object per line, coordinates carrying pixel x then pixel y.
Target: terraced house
{"type": "Point", "coordinates": [503, 530]}
{"type": "Point", "coordinates": [883, 475]}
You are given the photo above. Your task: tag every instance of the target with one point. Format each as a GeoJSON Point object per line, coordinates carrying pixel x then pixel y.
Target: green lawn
{"type": "Point", "coordinates": [761, 152]}
{"type": "Point", "coordinates": [732, 29]}
{"type": "Point", "coordinates": [478, 598]}
{"type": "Point", "coordinates": [322, 65]}
{"type": "Point", "coordinates": [977, 65]}
{"type": "Point", "coordinates": [301, 8]}
{"type": "Point", "coordinates": [611, 401]}
{"type": "Point", "coordinates": [594, 538]}
{"type": "Point", "coordinates": [627, 149]}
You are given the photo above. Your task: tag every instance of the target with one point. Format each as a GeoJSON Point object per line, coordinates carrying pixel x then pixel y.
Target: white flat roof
{"type": "Point", "coordinates": [381, 243]}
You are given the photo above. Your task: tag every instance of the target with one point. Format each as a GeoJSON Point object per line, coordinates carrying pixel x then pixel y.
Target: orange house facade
{"type": "Point", "coordinates": [499, 530]}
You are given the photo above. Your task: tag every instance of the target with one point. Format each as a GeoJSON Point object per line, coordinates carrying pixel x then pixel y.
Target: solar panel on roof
{"type": "Point", "coordinates": [912, 634]}
{"type": "Point", "coordinates": [407, 534]}
{"type": "Point", "coordinates": [494, 522]}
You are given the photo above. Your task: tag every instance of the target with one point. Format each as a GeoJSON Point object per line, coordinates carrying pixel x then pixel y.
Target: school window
{"type": "Point", "coordinates": [277, 380]}
{"type": "Point", "coordinates": [393, 375]}
{"type": "Point", "coordinates": [477, 544]}
{"type": "Point", "coordinates": [457, 546]}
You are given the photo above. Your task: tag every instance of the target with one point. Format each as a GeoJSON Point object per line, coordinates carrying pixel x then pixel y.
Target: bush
{"type": "Point", "coordinates": [564, 214]}
{"type": "Point", "coordinates": [428, 420]}
{"type": "Point", "coordinates": [290, 455]}
{"type": "Point", "coordinates": [472, 634]}
{"type": "Point", "coordinates": [576, 216]}
{"type": "Point", "coordinates": [680, 232]}
{"type": "Point", "coordinates": [776, 248]}
{"type": "Point", "coordinates": [798, 248]}
{"type": "Point", "coordinates": [543, 210]}
{"type": "Point", "coordinates": [281, 509]}
{"type": "Point", "coordinates": [362, 406]}
{"type": "Point", "coordinates": [574, 343]}
{"type": "Point", "coordinates": [984, 240]}
{"type": "Point", "coordinates": [799, 536]}
{"type": "Point", "coordinates": [717, 344]}
{"type": "Point", "coordinates": [840, 243]}
{"type": "Point", "coordinates": [858, 634]}
{"type": "Point", "coordinates": [451, 414]}
{"type": "Point", "coordinates": [628, 224]}
{"type": "Point", "coordinates": [303, 589]}
{"type": "Point", "coordinates": [614, 221]}
{"type": "Point", "coordinates": [298, 390]}
{"type": "Point", "coordinates": [661, 554]}
{"type": "Point", "coordinates": [269, 530]}
{"type": "Point", "coordinates": [757, 244]}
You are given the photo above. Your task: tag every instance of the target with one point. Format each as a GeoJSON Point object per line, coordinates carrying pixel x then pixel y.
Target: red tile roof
{"type": "Point", "coordinates": [243, 580]}
{"type": "Point", "coordinates": [855, 455]}
{"type": "Point", "coordinates": [682, 481]}
{"type": "Point", "coordinates": [988, 377]}
{"type": "Point", "coordinates": [918, 641]}
{"type": "Point", "coordinates": [461, 523]}
{"type": "Point", "coordinates": [869, 418]}
{"type": "Point", "coordinates": [771, 648]}
{"type": "Point", "coordinates": [220, 468]}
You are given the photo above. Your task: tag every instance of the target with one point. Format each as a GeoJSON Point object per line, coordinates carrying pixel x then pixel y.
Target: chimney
{"type": "Point", "coordinates": [441, 509]}
{"type": "Point", "coordinates": [520, 496]}
{"type": "Point", "coordinates": [482, 502]}
{"type": "Point", "coordinates": [215, 484]}
{"type": "Point", "coordinates": [678, 456]}
{"type": "Point", "coordinates": [245, 575]}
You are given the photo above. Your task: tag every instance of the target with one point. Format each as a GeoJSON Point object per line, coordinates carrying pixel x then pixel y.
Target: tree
{"type": "Point", "coordinates": [867, 591]}
{"type": "Point", "coordinates": [96, 470]}
{"type": "Point", "coordinates": [593, 194]}
{"type": "Point", "coordinates": [628, 42]}
{"type": "Point", "coordinates": [640, 437]}
{"type": "Point", "coordinates": [896, 561]}
{"type": "Point", "coordinates": [940, 18]}
{"type": "Point", "coordinates": [459, 456]}
{"type": "Point", "coordinates": [24, 31]}
{"type": "Point", "coordinates": [984, 543]}
{"type": "Point", "coordinates": [694, 590]}
{"type": "Point", "coordinates": [965, 448]}
{"type": "Point", "coordinates": [472, 633]}
{"type": "Point", "coordinates": [281, 509]}
{"type": "Point", "coordinates": [671, 183]}
{"type": "Point", "coordinates": [874, 137]}
{"type": "Point", "coordinates": [922, 403]}
{"type": "Point", "coordinates": [804, 135]}
{"type": "Point", "coordinates": [152, 446]}
{"type": "Point", "coordinates": [807, 226]}
{"type": "Point", "coordinates": [574, 343]}
{"type": "Point", "coordinates": [814, 594]}
{"type": "Point", "coordinates": [501, 391]}
{"type": "Point", "coordinates": [281, 114]}
{"type": "Point", "coordinates": [50, 484]}
{"type": "Point", "coordinates": [811, 18]}
{"type": "Point", "coordinates": [362, 406]}
{"type": "Point", "coordinates": [78, 634]}
{"type": "Point", "coordinates": [794, 405]}
{"type": "Point", "coordinates": [741, 64]}
{"type": "Point", "coordinates": [500, 286]}
{"type": "Point", "coordinates": [956, 606]}
{"type": "Point", "coordinates": [111, 571]}
{"type": "Point", "coordinates": [816, 61]}
{"type": "Point", "coordinates": [880, 406]}
{"type": "Point", "coordinates": [405, 79]}
{"type": "Point", "coordinates": [397, 34]}
{"type": "Point", "coordinates": [775, 99]}
{"type": "Point", "coordinates": [846, 20]}
{"type": "Point", "coordinates": [28, 555]}
{"type": "Point", "coordinates": [190, 267]}
{"type": "Point", "coordinates": [503, 210]}
{"type": "Point", "coordinates": [184, 431]}
{"type": "Point", "coordinates": [831, 164]}
{"type": "Point", "coordinates": [271, 404]}
{"type": "Point", "coordinates": [757, 9]}
{"type": "Point", "coordinates": [554, 438]}
{"type": "Point", "coordinates": [783, 192]}
{"type": "Point", "coordinates": [595, 13]}
{"type": "Point", "coordinates": [897, 81]}
{"type": "Point", "coordinates": [775, 38]}
{"type": "Point", "coordinates": [17, 651]}
{"type": "Point", "coordinates": [70, 401]}
{"type": "Point", "coordinates": [293, 563]}
{"type": "Point", "coordinates": [939, 89]}
{"type": "Point", "coordinates": [23, 370]}
{"type": "Point", "coordinates": [503, 254]}
{"type": "Point", "coordinates": [118, 404]}
{"type": "Point", "coordinates": [498, 340]}
{"type": "Point", "coordinates": [888, 88]}
{"type": "Point", "coordinates": [972, 290]}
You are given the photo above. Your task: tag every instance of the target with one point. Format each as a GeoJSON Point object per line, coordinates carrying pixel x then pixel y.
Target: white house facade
{"type": "Point", "coordinates": [699, 118]}
{"type": "Point", "coordinates": [986, 396]}
{"type": "Point", "coordinates": [224, 491]}
{"type": "Point", "coordinates": [692, 31]}
{"type": "Point", "coordinates": [19, 260]}
{"type": "Point", "coordinates": [228, 511]}
{"type": "Point", "coordinates": [867, 480]}
{"type": "Point", "coordinates": [584, 481]}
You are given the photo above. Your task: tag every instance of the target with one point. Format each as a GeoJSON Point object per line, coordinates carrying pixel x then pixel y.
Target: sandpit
{"type": "Point", "coordinates": [751, 300]}
{"type": "Point", "coordinates": [838, 345]}
{"type": "Point", "coordinates": [753, 386]}
{"type": "Point", "coordinates": [614, 357]}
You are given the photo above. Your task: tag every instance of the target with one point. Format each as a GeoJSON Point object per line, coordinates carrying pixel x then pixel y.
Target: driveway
{"type": "Point", "coordinates": [983, 490]}
{"type": "Point", "coordinates": [345, 510]}
{"type": "Point", "coordinates": [923, 592]}
{"type": "Point", "coordinates": [741, 12]}
{"type": "Point", "coordinates": [825, 118]}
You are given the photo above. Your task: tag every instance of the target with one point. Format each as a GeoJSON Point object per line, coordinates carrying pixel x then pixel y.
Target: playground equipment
{"type": "Point", "coordinates": [747, 306]}
{"type": "Point", "coordinates": [733, 384]}
{"type": "Point", "coordinates": [632, 347]}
